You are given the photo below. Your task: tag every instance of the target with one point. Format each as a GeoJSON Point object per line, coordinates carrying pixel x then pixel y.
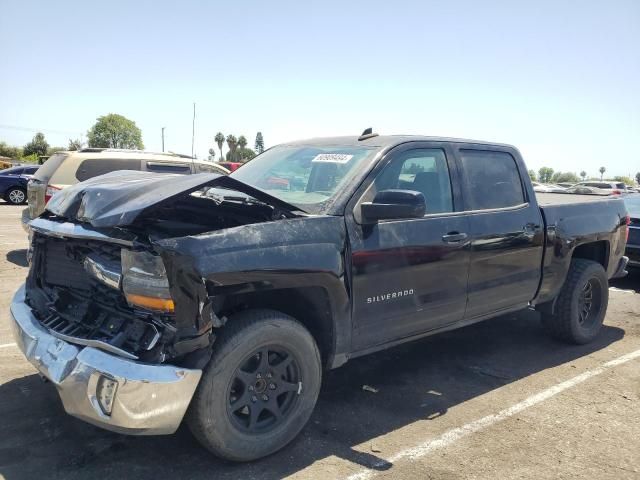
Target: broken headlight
{"type": "Point", "coordinates": [144, 281]}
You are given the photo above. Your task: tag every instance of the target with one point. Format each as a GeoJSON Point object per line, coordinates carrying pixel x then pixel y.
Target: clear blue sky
{"type": "Point", "coordinates": [558, 79]}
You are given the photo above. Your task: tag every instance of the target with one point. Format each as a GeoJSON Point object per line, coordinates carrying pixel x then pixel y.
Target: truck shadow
{"type": "Point", "coordinates": [414, 382]}
{"type": "Point", "coordinates": [18, 257]}
{"type": "Point", "coordinates": [630, 282]}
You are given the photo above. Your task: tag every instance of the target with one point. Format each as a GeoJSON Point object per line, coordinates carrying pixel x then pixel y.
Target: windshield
{"type": "Point", "coordinates": [632, 202]}
{"type": "Point", "coordinates": [49, 167]}
{"type": "Point", "coordinates": [305, 176]}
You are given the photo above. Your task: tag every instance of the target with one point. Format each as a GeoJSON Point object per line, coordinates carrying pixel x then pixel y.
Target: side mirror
{"type": "Point", "coordinates": [389, 204]}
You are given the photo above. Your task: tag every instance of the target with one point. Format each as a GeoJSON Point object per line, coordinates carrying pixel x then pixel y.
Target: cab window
{"type": "Point", "coordinates": [491, 180]}
{"type": "Point", "coordinates": [422, 170]}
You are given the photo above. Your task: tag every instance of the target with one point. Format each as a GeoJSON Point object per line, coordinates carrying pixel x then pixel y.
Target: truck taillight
{"type": "Point", "coordinates": [51, 190]}
{"type": "Point", "coordinates": [627, 222]}
{"type": "Point", "coordinates": [616, 192]}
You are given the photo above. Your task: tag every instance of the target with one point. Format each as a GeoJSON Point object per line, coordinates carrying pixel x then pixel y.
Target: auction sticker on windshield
{"type": "Point", "coordinates": [332, 158]}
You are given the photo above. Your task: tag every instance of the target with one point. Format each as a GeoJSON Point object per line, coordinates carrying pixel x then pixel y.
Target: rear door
{"type": "Point", "coordinates": [409, 276]}
{"type": "Point", "coordinates": [506, 230]}
{"type": "Point", "coordinates": [93, 167]}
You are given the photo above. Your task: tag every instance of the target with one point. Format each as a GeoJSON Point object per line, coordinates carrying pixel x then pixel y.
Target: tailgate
{"type": "Point", "coordinates": [35, 197]}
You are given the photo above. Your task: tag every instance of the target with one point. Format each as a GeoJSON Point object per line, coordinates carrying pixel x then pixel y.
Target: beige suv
{"type": "Point", "coordinates": [67, 168]}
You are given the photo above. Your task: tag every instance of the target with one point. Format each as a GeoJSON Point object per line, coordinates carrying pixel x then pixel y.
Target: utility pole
{"type": "Point", "coordinates": [163, 139]}
{"type": "Point", "coordinates": [193, 128]}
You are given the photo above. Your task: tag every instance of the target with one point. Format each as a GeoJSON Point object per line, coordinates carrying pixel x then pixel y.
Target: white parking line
{"type": "Point", "coordinates": [452, 436]}
{"type": "Point", "coordinates": [7, 345]}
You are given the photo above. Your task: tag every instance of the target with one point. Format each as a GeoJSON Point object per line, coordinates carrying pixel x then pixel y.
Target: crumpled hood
{"type": "Point", "coordinates": [118, 198]}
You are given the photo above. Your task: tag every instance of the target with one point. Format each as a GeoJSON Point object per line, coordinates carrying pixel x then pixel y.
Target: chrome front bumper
{"type": "Point", "coordinates": [149, 399]}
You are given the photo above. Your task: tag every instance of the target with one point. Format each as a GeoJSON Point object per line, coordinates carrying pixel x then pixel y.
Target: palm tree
{"type": "Point", "coordinates": [219, 139]}
{"type": "Point", "coordinates": [242, 143]}
{"type": "Point", "coordinates": [232, 143]}
{"type": "Point", "coordinates": [583, 174]}
{"type": "Point", "coordinates": [602, 170]}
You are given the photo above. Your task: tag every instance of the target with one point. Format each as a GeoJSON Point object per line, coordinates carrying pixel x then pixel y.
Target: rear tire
{"type": "Point", "coordinates": [581, 305]}
{"type": "Point", "coordinates": [16, 196]}
{"type": "Point", "coordinates": [249, 403]}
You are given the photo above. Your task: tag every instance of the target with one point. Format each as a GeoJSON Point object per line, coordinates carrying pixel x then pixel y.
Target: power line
{"type": "Point", "coordinates": [43, 130]}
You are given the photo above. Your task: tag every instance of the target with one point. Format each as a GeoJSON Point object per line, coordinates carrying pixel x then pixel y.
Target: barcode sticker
{"type": "Point", "coordinates": [332, 158]}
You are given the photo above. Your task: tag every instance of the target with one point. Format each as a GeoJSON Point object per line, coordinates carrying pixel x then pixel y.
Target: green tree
{"type": "Point", "coordinates": [242, 142]}
{"type": "Point", "coordinates": [212, 154]}
{"type": "Point", "coordinates": [568, 177]}
{"type": "Point", "coordinates": [545, 174]}
{"type": "Point", "coordinates": [259, 143]}
{"type": "Point", "coordinates": [246, 154]}
{"type": "Point", "coordinates": [232, 143]}
{"type": "Point", "coordinates": [219, 139]}
{"type": "Point", "coordinates": [52, 150]}
{"type": "Point", "coordinates": [37, 145]}
{"type": "Point", "coordinates": [32, 158]}
{"type": "Point", "coordinates": [115, 131]}
{"type": "Point", "coordinates": [75, 145]}
{"type": "Point", "coordinates": [625, 180]}
{"type": "Point", "coordinates": [583, 175]}
{"type": "Point", "coordinates": [9, 151]}
{"type": "Point", "coordinates": [532, 175]}
{"type": "Point", "coordinates": [638, 177]}
{"type": "Point", "coordinates": [602, 170]}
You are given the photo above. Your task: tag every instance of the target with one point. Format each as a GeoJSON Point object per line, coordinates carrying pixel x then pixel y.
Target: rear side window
{"type": "Point", "coordinates": [30, 170]}
{"type": "Point", "coordinates": [99, 166]}
{"type": "Point", "coordinates": [165, 167]}
{"type": "Point", "coordinates": [621, 186]}
{"type": "Point", "coordinates": [492, 180]}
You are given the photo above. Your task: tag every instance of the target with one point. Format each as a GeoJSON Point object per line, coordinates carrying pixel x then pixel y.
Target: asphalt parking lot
{"type": "Point", "coordinates": [495, 400]}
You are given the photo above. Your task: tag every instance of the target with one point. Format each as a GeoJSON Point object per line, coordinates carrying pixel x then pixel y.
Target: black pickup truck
{"type": "Point", "coordinates": [221, 299]}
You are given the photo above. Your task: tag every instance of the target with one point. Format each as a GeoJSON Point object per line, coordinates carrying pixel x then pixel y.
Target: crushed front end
{"type": "Point", "coordinates": [120, 324]}
{"type": "Point", "coordinates": [113, 362]}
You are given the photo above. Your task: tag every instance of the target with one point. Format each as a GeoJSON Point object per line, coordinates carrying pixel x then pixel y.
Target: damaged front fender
{"type": "Point", "coordinates": [207, 270]}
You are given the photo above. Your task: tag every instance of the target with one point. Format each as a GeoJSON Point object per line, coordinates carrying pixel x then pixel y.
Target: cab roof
{"type": "Point", "coordinates": [386, 141]}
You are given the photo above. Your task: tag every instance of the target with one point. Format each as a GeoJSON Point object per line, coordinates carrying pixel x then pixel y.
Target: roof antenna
{"type": "Point", "coordinates": [368, 133]}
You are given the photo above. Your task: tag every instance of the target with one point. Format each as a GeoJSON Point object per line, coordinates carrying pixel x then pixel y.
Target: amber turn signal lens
{"type": "Point", "coordinates": [152, 303]}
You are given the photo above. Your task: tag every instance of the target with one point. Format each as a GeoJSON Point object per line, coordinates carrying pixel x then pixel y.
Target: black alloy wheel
{"type": "Point", "coordinates": [264, 390]}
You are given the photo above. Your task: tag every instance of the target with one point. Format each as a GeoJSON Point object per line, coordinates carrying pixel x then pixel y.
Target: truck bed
{"type": "Point", "coordinates": [549, 199]}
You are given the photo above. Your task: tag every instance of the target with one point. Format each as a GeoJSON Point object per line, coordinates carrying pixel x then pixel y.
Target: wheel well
{"type": "Point", "coordinates": [596, 251]}
{"type": "Point", "coordinates": [308, 305]}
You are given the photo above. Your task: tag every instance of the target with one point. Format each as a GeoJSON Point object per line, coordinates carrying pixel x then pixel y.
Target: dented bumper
{"type": "Point", "coordinates": [143, 399]}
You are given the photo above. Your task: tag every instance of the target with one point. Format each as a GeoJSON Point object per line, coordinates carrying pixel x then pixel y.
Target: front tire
{"type": "Point", "coordinates": [581, 305]}
{"type": "Point", "coordinates": [259, 388]}
{"type": "Point", "coordinates": [16, 196]}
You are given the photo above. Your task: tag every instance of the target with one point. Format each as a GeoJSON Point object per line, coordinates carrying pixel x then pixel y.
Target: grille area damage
{"type": "Point", "coordinates": [79, 308]}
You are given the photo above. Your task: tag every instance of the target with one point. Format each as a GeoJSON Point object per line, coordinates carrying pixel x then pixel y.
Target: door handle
{"type": "Point", "coordinates": [454, 237]}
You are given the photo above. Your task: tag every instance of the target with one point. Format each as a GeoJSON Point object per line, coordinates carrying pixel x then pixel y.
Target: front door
{"type": "Point", "coordinates": [409, 276]}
